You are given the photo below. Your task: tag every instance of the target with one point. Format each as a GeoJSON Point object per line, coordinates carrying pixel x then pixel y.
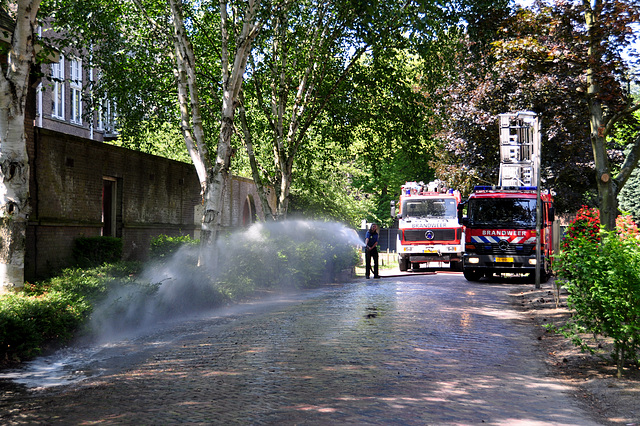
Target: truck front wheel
{"type": "Point", "coordinates": [403, 264]}
{"type": "Point", "coordinates": [472, 275]}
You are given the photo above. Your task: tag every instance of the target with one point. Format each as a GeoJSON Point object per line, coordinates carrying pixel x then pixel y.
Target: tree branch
{"type": "Point", "coordinates": [630, 163]}
{"type": "Point", "coordinates": [613, 120]}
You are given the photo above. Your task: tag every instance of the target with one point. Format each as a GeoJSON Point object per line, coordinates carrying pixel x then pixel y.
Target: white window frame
{"type": "Point", "coordinates": [100, 104]}
{"type": "Point", "coordinates": [75, 86]}
{"type": "Point", "coordinates": [107, 117]}
{"type": "Point", "coordinates": [101, 114]}
{"type": "Point", "coordinates": [57, 93]}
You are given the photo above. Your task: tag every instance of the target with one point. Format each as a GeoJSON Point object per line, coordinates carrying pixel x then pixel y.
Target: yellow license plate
{"type": "Point", "coordinates": [430, 251]}
{"type": "Point", "coordinates": [504, 259]}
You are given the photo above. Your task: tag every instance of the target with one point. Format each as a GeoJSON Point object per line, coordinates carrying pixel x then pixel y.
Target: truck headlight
{"type": "Point", "coordinates": [532, 261]}
{"type": "Point", "coordinates": [473, 260]}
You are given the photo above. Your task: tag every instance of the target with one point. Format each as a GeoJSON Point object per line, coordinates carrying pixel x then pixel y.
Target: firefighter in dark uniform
{"type": "Point", "coordinates": [371, 251]}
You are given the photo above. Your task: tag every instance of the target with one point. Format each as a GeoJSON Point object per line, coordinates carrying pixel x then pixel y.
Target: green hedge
{"type": "Point", "coordinates": [163, 246]}
{"type": "Point", "coordinates": [28, 322]}
{"type": "Point", "coordinates": [50, 312]}
{"type": "Point", "coordinates": [94, 251]}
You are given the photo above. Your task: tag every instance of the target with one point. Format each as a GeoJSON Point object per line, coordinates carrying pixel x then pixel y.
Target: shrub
{"type": "Point", "coordinates": [163, 246]}
{"type": "Point", "coordinates": [601, 273]}
{"type": "Point", "coordinates": [283, 255]}
{"type": "Point", "coordinates": [94, 251]}
{"type": "Point", "coordinates": [49, 312]}
{"type": "Point", "coordinates": [626, 227]}
{"type": "Point", "coordinates": [586, 224]}
{"type": "Point", "coordinates": [28, 322]}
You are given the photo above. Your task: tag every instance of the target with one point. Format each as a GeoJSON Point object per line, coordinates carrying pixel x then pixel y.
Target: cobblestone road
{"type": "Point", "coordinates": [421, 349]}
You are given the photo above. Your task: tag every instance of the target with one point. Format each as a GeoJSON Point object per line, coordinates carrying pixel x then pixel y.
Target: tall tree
{"type": "Point", "coordinates": [607, 31]}
{"type": "Point", "coordinates": [545, 60]}
{"type": "Point", "coordinates": [305, 61]}
{"type": "Point", "coordinates": [214, 176]}
{"type": "Point", "coordinates": [14, 162]}
{"type": "Point", "coordinates": [517, 72]}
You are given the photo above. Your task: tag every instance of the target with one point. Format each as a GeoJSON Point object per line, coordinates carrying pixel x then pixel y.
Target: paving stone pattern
{"type": "Point", "coordinates": [414, 350]}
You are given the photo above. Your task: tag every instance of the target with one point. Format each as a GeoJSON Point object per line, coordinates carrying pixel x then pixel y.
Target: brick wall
{"type": "Point", "coordinates": [151, 196]}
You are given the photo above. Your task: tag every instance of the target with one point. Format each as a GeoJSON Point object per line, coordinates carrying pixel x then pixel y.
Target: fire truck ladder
{"type": "Point", "coordinates": [519, 149]}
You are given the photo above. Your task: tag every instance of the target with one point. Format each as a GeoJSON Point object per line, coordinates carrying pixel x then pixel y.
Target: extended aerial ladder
{"type": "Point", "coordinates": [520, 144]}
{"type": "Point", "coordinates": [519, 149]}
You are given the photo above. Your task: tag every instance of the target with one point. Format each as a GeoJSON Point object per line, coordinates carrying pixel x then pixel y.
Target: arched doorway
{"type": "Point", "coordinates": [248, 211]}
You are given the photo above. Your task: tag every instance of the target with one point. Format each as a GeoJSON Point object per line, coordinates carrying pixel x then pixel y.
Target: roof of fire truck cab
{"type": "Point", "coordinates": [499, 194]}
{"type": "Point", "coordinates": [510, 193]}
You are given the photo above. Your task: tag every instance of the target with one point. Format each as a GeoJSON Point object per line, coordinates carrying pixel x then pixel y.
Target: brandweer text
{"type": "Point", "coordinates": [503, 232]}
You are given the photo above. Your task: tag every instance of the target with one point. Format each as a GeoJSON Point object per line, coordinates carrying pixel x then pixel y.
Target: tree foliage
{"type": "Point", "coordinates": [540, 61]}
{"type": "Point", "coordinates": [320, 75]}
{"type": "Point", "coordinates": [334, 76]}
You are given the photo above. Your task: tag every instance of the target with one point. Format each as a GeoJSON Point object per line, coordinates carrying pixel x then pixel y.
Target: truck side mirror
{"type": "Point", "coordinates": [460, 213]}
{"type": "Point", "coordinates": [393, 209]}
{"type": "Point", "coordinates": [552, 213]}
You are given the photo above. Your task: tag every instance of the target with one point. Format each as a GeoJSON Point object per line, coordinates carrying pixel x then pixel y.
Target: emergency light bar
{"type": "Point", "coordinates": [504, 188]}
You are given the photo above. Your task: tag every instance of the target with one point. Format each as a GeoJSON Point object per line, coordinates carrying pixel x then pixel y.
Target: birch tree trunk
{"type": "Point", "coordinates": [14, 161]}
{"type": "Point", "coordinates": [232, 78]}
{"type": "Point", "coordinates": [214, 178]}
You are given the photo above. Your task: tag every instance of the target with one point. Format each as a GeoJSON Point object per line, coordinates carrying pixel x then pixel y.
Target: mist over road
{"type": "Point", "coordinates": [418, 349]}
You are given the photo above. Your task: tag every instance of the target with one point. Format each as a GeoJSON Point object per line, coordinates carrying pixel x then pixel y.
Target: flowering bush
{"type": "Point", "coordinates": [626, 227]}
{"type": "Point", "coordinates": [579, 238]}
{"type": "Point", "coordinates": [585, 225]}
{"type": "Point", "coordinates": [601, 273]}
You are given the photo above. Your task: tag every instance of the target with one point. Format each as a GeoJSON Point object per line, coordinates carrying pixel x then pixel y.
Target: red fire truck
{"type": "Point", "coordinates": [500, 232]}
{"type": "Point", "coordinates": [501, 222]}
{"type": "Point", "coordinates": [428, 228]}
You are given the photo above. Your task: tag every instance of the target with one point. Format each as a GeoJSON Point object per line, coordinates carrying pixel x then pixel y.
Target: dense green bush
{"type": "Point", "coordinates": [163, 246]}
{"type": "Point", "coordinates": [49, 312]}
{"type": "Point", "coordinates": [268, 257]}
{"type": "Point", "coordinates": [601, 273]}
{"type": "Point", "coordinates": [28, 322]}
{"type": "Point", "coordinates": [94, 251]}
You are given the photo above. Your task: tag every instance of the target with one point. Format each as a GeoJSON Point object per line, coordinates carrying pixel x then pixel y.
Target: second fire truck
{"type": "Point", "coordinates": [428, 228]}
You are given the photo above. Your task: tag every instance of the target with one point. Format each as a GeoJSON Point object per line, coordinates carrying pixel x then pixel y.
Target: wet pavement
{"type": "Point", "coordinates": [414, 349]}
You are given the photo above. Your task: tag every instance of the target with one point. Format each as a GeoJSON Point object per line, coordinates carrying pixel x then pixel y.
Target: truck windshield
{"type": "Point", "coordinates": [502, 212]}
{"type": "Point", "coordinates": [442, 208]}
